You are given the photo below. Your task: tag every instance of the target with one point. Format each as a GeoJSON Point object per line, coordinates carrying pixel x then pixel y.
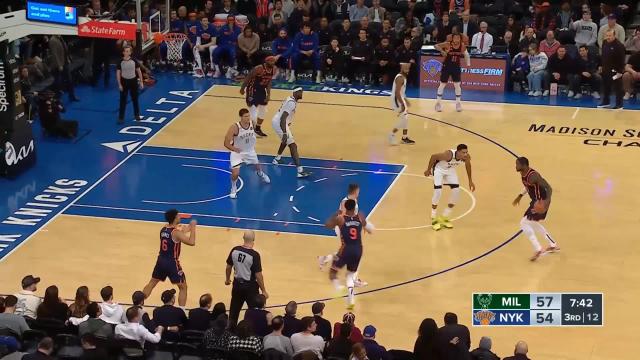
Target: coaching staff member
{"type": "Point", "coordinates": [247, 279]}
{"type": "Point", "coordinates": [613, 55]}
{"type": "Point", "coordinates": [129, 77]}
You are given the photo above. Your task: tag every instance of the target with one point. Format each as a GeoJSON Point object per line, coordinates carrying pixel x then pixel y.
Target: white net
{"type": "Point", "coordinates": [174, 42]}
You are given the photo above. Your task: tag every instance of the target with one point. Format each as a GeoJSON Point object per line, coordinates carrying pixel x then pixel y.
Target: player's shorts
{"type": "Point", "coordinates": [247, 158]}
{"type": "Point", "coordinates": [445, 177]}
{"type": "Point", "coordinates": [453, 72]}
{"type": "Point", "coordinates": [256, 96]}
{"type": "Point", "coordinates": [530, 215]}
{"type": "Point", "coordinates": [278, 131]}
{"type": "Point", "coordinates": [348, 256]}
{"type": "Point", "coordinates": [168, 268]}
{"type": "Point", "coordinates": [398, 107]}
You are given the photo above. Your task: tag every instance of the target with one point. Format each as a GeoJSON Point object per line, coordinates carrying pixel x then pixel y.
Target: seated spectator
{"type": "Point", "coordinates": [277, 10]}
{"type": "Point", "coordinates": [560, 68]}
{"type": "Point", "coordinates": [549, 45]}
{"type": "Point", "coordinates": [346, 33]}
{"type": "Point", "coordinates": [424, 347]}
{"type": "Point", "coordinates": [520, 68]}
{"type": "Point", "coordinates": [258, 317]}
{"type": "Point", "coordinates": [28, 301]}
{"type": "Point", "coordinates": [612, 24]}
{"type": "Point", "coordinates": [170, 317]}
{"type": "Point", "coordinates": [340, 346]}
{"type": "Point", "coordinates": [137, 299]}
{"type": "Point", "coordinates": [459, 6]}
{"type": "Point", "coordinates": [226, 46]}
{"type": "Point", "coordinates": [324, 32]}
{"type": "Point", "coordinates": [340, 9]}
{"type": "Point", "coordinates": [586, 30]}
{"type": "Point", "coordinates": [248, 54]}
{"type": "Point", "coordinates": [275, 340]}
{"type": "Point", "coordinates": [321, 9]}
{"type": "Point", "coordinates": [94, 324]}
{"type": "Point", "coordinates": [482, 41]}
{"type": "Point", "coordinates": [404, 54]}
{"type": "Point", "coordinates": [632, 44]}
{"type": "Point", "coordinates": [372, 34]}
{"type": "Point", "coordinates": [587, 72]}
{"type": "Point", "coordinates": [520, 352]}
{"type": "Point", "coordinates": [200, 318]}
{"type": "Point", "coordinates": [305, 340]}
{"type": "Point", "coordinates": [323, 326]}
{"type": "Point", "coordinates": [405, 24]}
{"type": "Point", "coordinates": [508, 41]}
{"type": "Point", "coordinates": [356, 334]}
{"type": "Point", "coordinates": [217, 337]}
{"type": "Point", "coordinates": [244, 339]}
{"type": "Point", "coordinates": [226, 8]}
{"type": "Point", "coordinates": [528, 38]}
{"type": "Point", "coordinates": [281, 47]}
{"type": "Point", "coordinates": [537, 66]}
{"type": "Point", "coordinates": [133, 330]}
{"type": "Point", "coordinates": [10, 320]}
{"type": "Point", "coordinates": [515, 27]}
{"type": "Point", "coordinates": [305, 47]}
{"type": "Point", "coordinates": [43, 352]}
{"type": "Point", "coordinates": [358, 352]}
{"type": "Point", "coordinates": [374, 350]}
{"type": "Point", "coordinates": [467, 27]}
{"type": "Point", "coordinates": [218, 309]}
{"type": "Point", "coordinates": [631, 75]}
{"type": "Point", "coordinates": [294, 21]}
{"type": "Point", "coordinates": [483, 352]}
{"type": "Point", "coordinates": [277, 25]}
{"type": "Point", "coordinates": [112, 312]}
{"type": "Point", "coordinates": [389, 32]}
{"type": "Point", "coordinates": [357, 11]}
{"type": "Point", "coordinates": [292, 324]}
{"type": "Point", "coordinates": [455, 334]}
{"type": "Point", "coordinates": [89, 349]}
{"type": "Point", "coordinates": [543, 20]}
{"type": "Point", "coordinates": [52, 306]}
{"type": "Point", "coordinates": [565, 16]}
{"type": "Point", "coordinates": [444, 27]}
{"type": "Point", "coordinates": [288, 6]}
{"type": "Point", "coordinates": [383, 64]}
{"type": "Point", "coordinates": [78, 309]}
{"type": "Point", "coordinates": [416, 38]}
{"type": "Point", "coordinates": [377, 12]}
{"type": "Point", "coordinates": [361, 56]}
{"type": "Point", "coordinates": [333, 61]}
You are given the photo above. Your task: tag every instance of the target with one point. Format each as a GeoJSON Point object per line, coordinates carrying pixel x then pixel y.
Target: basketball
{"type": "Point", "coordinates": [538, 207]}
{"type": "Point", "coordinates": [158, 38]}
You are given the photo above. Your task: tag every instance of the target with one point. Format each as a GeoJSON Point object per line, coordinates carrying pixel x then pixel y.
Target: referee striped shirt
{"type": "Point", "coordinates": [246, 263]}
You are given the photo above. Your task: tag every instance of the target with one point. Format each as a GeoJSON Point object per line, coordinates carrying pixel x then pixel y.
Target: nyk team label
{"type": "Point", "coordinates": [539, 309]}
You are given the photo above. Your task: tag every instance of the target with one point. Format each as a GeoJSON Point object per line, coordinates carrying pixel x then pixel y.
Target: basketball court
{"type": "Point", "coordinates": [109, 234]}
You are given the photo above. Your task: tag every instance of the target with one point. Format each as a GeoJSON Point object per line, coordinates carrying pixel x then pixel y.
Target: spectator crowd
{"type": "Point", "coordinates": [34, 328]}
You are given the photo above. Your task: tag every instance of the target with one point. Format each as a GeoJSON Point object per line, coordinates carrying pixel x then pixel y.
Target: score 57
{"type": "Point", "coordinates": [544, 301]}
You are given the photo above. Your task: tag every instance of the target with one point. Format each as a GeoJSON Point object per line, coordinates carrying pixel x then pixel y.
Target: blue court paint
{"type": "Point", "coordinates": [197, 182]}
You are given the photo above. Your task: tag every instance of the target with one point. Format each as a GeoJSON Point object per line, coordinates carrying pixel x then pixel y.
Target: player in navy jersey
{"type": "Point", "coordinates": [258, 91]}
{"type": "Point", "coordinates": [539, 191]}
{"type": "Point", "coordinates": [172, 236]}
{"type": "Point", "coordinates": [453, 52]}
{"type": "Point", "coordinates": [350, 253]}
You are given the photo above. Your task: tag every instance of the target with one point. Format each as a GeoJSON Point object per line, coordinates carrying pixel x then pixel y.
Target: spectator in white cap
{"type": "Point", "coordinates": [28, 301]}
{"type": "Point", "coordinates": [483, 352]}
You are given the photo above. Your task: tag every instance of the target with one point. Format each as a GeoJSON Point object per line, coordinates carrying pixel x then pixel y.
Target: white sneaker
{"type": "Point", "coordinates": [265, 178]}
{"type": "Point", "coordinates": [537, 93]}
{"type": "Point", "coordinates": [458, 107]}
{"type": "Point", "coordinates": [545, 93]}
{"type": "Point", "coordinates": [233, 195]}
{"type": "Point", "coordinates": [627, 96]}
{"type": "Point", "coordinates": [392, 139]}
{"type": "Point", "coordinates": [570, 94]}
{"type": "Point", "coordinates": [438, 106]}
{"type": "Point", "coordinates": [292, 76]}
{"type": "Point", "coordinates": [360, 283]}
{"type": "Point", "coordinates": [531, 92]}
{"type": "Point", "coordinates": [596, 95]}
{"type": "Point", "coordinates": [578, 96]}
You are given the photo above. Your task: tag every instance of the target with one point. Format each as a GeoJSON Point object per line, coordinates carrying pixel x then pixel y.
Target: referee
{"type": "Point", "coordinates": [247, 276]}
{"type": "Point", "coordinates": [129, 77]}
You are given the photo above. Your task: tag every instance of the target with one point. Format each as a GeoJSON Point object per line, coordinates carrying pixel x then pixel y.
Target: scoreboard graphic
{"type": "Point", "coordinates": [543, 309]}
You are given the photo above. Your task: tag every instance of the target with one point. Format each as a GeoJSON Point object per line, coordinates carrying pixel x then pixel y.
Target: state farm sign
{"type": "Point", "coordinates": [108, 30]}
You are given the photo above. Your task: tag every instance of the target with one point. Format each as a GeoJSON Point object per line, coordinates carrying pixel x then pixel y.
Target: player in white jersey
{"type": "Point", "coordinates": [400, 104]}
{"type": "Point", "coordinates": [241, 141]}
{"type": "Point", "coordinates": [443, 168]}
{"type": "Point", "coordinates": [281, 123]}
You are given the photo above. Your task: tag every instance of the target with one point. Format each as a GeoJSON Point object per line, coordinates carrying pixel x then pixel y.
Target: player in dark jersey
{"type": "Point", "coordinates": [257, 88]}
{"type": "Point", "coordinates": [172, 236]}
{"type": "Point", "coordinates": [350, 253]}
{"type": "Point", "coordinates": [540, 192]}
{"type": "Point", "coordinates": [452, 51]}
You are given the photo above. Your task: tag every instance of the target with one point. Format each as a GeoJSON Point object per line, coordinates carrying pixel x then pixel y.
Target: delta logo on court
{"type": "Point", "coordinates": [608, 137]}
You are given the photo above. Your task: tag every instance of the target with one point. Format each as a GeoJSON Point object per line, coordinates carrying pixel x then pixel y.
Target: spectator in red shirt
{"type": "Point", "coordinates": [549, 45]}
{"type": "Point", "coordinates": [356, 334]}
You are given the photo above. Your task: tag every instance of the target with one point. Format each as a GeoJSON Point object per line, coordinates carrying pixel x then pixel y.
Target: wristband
{"type": "Point", "coordinates": [524, 192]}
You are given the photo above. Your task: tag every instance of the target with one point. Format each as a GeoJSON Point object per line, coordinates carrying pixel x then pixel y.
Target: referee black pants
{"type": "Point", "coordinates": [607, 84]}
{"type": "Point", "coordinates": [129, 86]}
{"type": "Point", "coordinates": [241, 292]}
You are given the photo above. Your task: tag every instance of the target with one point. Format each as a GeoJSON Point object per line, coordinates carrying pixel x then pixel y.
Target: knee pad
{"type": "Point", "coordinates": [455, 194]}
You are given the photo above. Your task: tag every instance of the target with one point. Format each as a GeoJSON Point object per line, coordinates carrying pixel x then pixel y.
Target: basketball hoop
{"type": "Point", "coordinates": [174, 43]}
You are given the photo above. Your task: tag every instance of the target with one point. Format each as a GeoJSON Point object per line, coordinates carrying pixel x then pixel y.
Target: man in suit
{"type": "Point", "coordinates": [520, 353]}
{"type": "Point", "coordinates": [377, 12]}
{"type": "Point", "coordinates": [199, 318]}
{"type": "Point", "coordinates": [453, 340]}
{"type": "Point", "coordinates": [467, 26]}
{"type": "Point", "coordinates": [45, 348]}
{"type": "Point", "coordinates": [482, 41]}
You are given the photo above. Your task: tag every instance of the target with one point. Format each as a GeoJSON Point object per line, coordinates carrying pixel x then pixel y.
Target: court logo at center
{"type": "Point", "coordinates": [432, 67]}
